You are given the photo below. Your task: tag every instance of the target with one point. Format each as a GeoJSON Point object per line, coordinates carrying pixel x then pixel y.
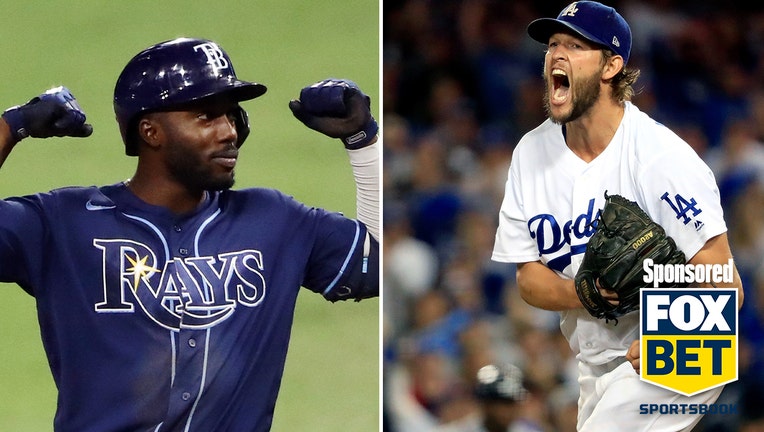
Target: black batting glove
{"type": "Point", "coordinates": [339, 109]}
{"type": "Point", "coordinates": [53, 113]}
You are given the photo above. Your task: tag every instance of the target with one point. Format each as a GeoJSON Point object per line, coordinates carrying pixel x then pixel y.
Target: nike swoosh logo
{"type": "Point", "coordinates": [95, 207]}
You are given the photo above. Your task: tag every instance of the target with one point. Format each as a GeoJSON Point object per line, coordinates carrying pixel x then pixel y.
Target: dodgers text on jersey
{"type": "Point", "coordinates": [551, 236]}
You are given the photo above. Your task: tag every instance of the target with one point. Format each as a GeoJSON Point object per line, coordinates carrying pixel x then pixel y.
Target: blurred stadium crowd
{"type": "Point", "coordinates": [462, 83]}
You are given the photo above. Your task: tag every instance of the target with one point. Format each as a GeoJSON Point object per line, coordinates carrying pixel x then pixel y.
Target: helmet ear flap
{"type": "Point", "coordinates": [241, 119]}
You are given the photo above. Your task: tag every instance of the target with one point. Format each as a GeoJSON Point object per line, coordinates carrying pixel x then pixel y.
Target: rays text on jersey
{"type": "Point", "coordinates": [192, 292]}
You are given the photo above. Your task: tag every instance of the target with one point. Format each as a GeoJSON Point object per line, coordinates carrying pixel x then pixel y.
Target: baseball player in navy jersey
{"type": "Point", "coordinates": [595, 140]}
{"type": "Point", "coordinates": [165, 301]}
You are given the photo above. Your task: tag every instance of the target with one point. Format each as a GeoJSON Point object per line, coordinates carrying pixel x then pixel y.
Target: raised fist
{"type": "Point", "coordinates": [339, 109]}
{"type": "Point", "coordinates": [53, 113]}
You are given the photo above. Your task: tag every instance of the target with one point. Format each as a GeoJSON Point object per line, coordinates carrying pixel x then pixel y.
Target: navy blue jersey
{"type": "Point", "coordinates": [153, 321]}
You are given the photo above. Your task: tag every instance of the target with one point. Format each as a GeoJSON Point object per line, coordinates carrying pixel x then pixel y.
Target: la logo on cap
{"type": "Point", "coordinates": [570, 10]}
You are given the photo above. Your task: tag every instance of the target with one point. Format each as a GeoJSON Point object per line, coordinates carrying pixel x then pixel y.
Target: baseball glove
{"type": "Point", "coordinates": [624, 236]}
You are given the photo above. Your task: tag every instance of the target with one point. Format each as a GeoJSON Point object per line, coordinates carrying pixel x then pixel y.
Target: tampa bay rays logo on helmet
{"type": "Point", "coordinates": [194, 292]}
{"type": "Point", "coordinates": [215, 56]}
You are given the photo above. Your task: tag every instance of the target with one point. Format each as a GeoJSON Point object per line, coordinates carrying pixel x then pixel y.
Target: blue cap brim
{"type": "Point", "coordinates": [543, 28]}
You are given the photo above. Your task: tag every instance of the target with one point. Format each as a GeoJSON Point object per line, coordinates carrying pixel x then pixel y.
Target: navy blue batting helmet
{"type": "Point", "coordinates": [173, 73]}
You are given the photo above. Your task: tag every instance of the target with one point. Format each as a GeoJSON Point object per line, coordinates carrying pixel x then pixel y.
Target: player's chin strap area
{"type": "Point", "coordinates": [362, 280]}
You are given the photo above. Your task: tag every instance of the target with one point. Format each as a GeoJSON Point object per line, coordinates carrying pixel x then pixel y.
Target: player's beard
{"type": "Point", "coordinates": [586, 91]}
{"type": "Point", "coordinates": [195, 174]}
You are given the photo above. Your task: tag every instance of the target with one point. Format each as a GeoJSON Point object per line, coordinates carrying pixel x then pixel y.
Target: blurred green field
{"type": "Point", "coordinates": [331, 381]}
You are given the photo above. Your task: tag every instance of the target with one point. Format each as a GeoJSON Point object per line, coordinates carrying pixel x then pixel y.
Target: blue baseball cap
{"type": "Point", "coordinates": [591, 20]}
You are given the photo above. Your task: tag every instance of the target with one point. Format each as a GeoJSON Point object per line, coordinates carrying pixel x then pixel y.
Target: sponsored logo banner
{"type": "Point", "coordinates": [688, 338]}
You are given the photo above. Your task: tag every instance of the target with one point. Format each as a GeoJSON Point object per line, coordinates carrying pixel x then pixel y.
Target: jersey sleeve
{"type": "Point", "coordinates": [22, 236]}
{"type": "Point", "coordinates": [681, 194]}
{"type": "Point", "coordinates": [343, 261]}
{"type": "Point", "coordinates": [513, 242]}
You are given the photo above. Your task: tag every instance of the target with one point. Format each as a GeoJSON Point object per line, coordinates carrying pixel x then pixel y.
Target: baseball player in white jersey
{"type": "Point", "coordinates": [595, 140]}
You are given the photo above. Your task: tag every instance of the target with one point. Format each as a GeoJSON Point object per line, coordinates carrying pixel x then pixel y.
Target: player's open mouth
{"type": "Point", "coordinates": [560, 86]}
